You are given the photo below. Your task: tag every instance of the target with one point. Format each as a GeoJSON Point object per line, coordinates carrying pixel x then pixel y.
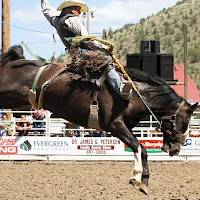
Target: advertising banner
{"type": "Point", "coordinates": [43, 145]}
{"type": "Point", "coordinates": [191, 147]}
{"type": "Point", "coordinates": [86, 146]}
{"type": "Point", "coordinates": [8, 146]}
{"type": "Point", "coordinates": [96, 146]}
{"type": "Point", "coordinates": [151, 145]}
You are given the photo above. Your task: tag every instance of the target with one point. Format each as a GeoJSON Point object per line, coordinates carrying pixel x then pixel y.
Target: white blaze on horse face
{"type": "Point", "coordinates": [137, 169]}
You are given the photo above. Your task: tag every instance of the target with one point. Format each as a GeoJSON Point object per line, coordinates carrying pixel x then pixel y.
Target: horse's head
{"type": "Point", "coordinates": [15, 52]}
{"type": "Point", "coordinates": [175, 126]}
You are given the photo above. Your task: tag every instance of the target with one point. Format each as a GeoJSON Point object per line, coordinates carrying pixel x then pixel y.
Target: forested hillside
{"type": "Point", "coordinates": [166, 26]}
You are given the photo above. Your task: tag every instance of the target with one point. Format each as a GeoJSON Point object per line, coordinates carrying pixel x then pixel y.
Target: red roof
{"type": "Point", "coordinates": [193, 91]}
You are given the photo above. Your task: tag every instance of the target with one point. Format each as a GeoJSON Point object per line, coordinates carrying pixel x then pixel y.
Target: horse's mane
{"type": "Point", "coordinates": [162, 91]}
{"type": "Point", "coordinates": [15, 52]}
{"type": "Point", "coordinates": [141, 76]}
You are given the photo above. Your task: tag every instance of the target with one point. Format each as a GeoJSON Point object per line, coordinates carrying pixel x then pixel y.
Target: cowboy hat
{"type": "Point", "coordinates": [68, 3]}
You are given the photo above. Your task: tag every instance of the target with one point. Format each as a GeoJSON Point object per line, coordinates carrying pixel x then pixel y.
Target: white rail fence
{"type": "Point", "coordinates": [55, 143]}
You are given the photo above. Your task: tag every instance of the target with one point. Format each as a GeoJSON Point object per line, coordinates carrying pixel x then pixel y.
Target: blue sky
{"type": "Point", "coordinates": [29, 25]}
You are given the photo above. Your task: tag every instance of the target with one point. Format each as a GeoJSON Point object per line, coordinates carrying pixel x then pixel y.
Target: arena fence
{"type": "Point", "coordinates": [59, 142]}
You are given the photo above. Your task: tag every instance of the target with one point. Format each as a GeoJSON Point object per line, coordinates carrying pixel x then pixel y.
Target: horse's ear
{"type": "Point", "coordinates": [194, 106]}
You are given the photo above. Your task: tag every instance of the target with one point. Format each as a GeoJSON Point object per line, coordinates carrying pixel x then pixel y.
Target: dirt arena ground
{"type": "Point", "coordinates": [95, 180]}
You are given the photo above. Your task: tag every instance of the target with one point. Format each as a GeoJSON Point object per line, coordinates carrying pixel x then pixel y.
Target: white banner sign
{"type": "Point", "coordinates": [96, 146]}
{"type": "Point", "coordinates": [86, 146]}
{"type": "Point", "coordinates": [192, 147]}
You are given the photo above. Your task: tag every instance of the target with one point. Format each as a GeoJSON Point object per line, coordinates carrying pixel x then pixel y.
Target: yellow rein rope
{"type": "Point", "coordinates": [78, 39]}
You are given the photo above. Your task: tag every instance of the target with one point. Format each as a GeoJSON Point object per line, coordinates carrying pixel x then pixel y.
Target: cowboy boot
{"type": "Point", "coordinates": [126, 90]}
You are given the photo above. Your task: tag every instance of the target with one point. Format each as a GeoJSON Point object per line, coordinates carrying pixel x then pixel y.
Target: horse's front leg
{"type": "Point", "coordinates": [136, 179]}
{"type": "Point", "coordinates": [140, 170]}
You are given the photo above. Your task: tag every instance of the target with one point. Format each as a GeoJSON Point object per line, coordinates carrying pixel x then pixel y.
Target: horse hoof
{"type": "Point", "coordinates": [139, 186]}
{"type": "Point", "coordinates": [135, 184]}
{"type": "Point", "coordinates": [144, 188]}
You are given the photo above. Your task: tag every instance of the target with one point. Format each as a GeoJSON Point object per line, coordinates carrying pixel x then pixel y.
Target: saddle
{"type": "Point", "coordinates": [92, 66]}
{"type": "Point", "coordinates": [89, 66]}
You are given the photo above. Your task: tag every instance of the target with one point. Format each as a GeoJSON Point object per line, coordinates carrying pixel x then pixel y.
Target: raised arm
{"type": "Point", "coordinates": [48, 12]}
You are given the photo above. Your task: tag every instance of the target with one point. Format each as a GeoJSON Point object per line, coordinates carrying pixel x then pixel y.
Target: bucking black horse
{"type": "Point", "coordinates": [71, 99]}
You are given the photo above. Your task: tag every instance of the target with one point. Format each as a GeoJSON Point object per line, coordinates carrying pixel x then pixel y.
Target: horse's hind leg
{"type": "Point", "coordinates": [140, 170]}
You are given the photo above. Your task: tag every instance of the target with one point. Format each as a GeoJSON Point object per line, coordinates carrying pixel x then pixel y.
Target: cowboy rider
{"type": "Point", "coordinates": [69, 24]}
